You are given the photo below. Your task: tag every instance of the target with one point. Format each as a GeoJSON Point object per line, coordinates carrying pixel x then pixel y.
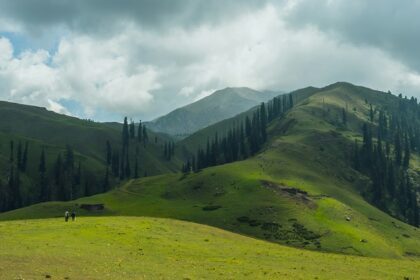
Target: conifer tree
{"type": "Point", "coordinates": [11, 158]}
{"type": "Point", "coordinates": [406, 161]}
{"type": "Point", "coordinates": [397, 149]}
{"type": "Point", "coordinates": [108, 153]}
{"type": "Point", "coordinates": [145, 136]}
{"type": "Point", "coordinates": [371, 113]}
{"type": "Point", "coordinates": [140, 132]}
{"type": "Point", "coordinates": [263, 121]}
{"type": "Point", "coordinates": [125, 134]}
{"type": "Point", "coordinates": [132, 129]}
{"type": "Point", "coordinates": [19, 156]}
{"type": "Point", "coordinates": [42, 169]}
{"type": "Point", "coordinates": [25, 157]}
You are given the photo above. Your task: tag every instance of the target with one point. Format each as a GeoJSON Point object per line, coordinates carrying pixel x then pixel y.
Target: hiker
{"type": "Point", "coordinates": [73, 215]}
{"type": "Point", "coordinates": [66, 216]}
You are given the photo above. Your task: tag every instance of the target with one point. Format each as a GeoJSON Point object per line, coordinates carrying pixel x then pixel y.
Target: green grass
{"type": "Point", "coordinates": [151, 248]}
{"type": "Point", "coordinates": [238, 190]}
{"type": "Point", "coordinates": [308, 150]}
{"type": "Point", "coordinates": [310, 155]}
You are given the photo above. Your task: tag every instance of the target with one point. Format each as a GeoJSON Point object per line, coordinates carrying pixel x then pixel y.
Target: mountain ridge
{"type": "Point", "coordinates": [218, 106]}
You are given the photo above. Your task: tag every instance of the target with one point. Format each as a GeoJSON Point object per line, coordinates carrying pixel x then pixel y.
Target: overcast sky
{"type": "Point", "coordinates": [104, 59]}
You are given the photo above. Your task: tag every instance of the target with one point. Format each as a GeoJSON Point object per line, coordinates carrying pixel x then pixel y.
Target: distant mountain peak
{"type": "Point", "coordinates": [220, 105]}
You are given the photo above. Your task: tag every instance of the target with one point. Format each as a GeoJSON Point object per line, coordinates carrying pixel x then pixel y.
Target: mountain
{"type": "Point", "coordinates": [218, 106]}
{"type": "Point", "coordinates": [75, 155]}
{"type": "Point", "coordinates": [308, 186]}
{"type": "Point", "coordinates": [198, 139]}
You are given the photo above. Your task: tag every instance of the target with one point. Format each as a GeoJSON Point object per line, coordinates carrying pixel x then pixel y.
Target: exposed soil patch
{"type": "Point", "coordinates": [294, 193]}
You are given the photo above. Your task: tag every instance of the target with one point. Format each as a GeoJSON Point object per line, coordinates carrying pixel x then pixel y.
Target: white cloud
{"type": "Point", "coordinates": [145, 72]}
{"type": "Point", "coordinates": [100, 74]}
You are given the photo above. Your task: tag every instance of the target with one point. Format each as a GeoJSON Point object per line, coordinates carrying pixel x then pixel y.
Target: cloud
{"type": "Point", "coordinates": [146, 66]}
{"type": "Point", "coordinates": [108, 16]}
{"type": "Point", "coordinates": [27, 79]}
{"type": "Point", "coordinates": [389, 25]}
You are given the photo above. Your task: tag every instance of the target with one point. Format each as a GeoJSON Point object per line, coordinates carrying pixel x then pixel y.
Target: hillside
{"type": "Point", "coordinates": [150, 248]}
{"type": "Point", "coordinates": [216, 107]}
{"type": "Point", "coordinates": [38, 129]}
{"type": "Point", "coordinates": [190, 144]}
{"type": "Point", "coordinates": [300, 190]}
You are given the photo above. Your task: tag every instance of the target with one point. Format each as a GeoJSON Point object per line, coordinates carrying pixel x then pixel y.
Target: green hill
{"type": "Point", "coordinates": [300, 190]}
{"type": "Point", "coordinates": [198, 139]}
{"type": "Point", "coordinates": [41, 129]}
{"type": "Point", "coordinates": [150, 248]}
{"type": "Point", "coordinates": [216, 107]}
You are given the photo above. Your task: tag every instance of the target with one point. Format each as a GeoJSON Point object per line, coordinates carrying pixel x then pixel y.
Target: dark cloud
{"type": "Point", "coordinates": [393, 26]}
{"type": "Point", "coordinates": [156, 55]}
{"type": "Point", "coordinates": [108, 15]}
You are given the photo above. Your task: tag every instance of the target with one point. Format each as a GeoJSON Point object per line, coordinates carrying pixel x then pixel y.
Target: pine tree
{"type": "Point", "coordinates": [19, 156]}
{"type": "Point", "coordinates": [391, 180]}
{"type": "Point", "coordinates": [263, 121]}
{"type": "Point", "coordinates": [11, 158]}
{"type": "Point", "coordinates": [25, 157]}
{"type": "Point", "coordinates": [108, 153]}
{"type": "Point", "coordinates": [132, 129]}
{"type": "Point", "coordinates": [290, 101]}
{"type": "Point", "coordinates": [247, 127]}
{"type": "Point", "coordinates": [140, 132]}
{"type": "Point", "coordinates": [145, 135]}
{"type": "Point", "coordinates": [59, 179]}
{"type": "Point", "coordinates": [356, 158]}
{"type": "Point", "coordinates": [406, 161]}
{"type": "Point", "coordinates": [371, 113]}
{"type": "Point", "coordinates": [125, 134]}
{"type": "Point", "coordinates": [397, 150]}
{"type": "Point", "coordinates": [42, 169]}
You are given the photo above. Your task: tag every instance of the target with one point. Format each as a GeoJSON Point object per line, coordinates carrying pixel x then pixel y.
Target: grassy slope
{"type": "Point", "coordinates": [150, 248]}
{"type": "Point", "coordinates": [307, 150]}
{"type": "Point", "coordinates": [309, 154]}
{"type": "Point", "coordinates": [42, 128]}
{"type": "Point", "coordinates": [191, 144]}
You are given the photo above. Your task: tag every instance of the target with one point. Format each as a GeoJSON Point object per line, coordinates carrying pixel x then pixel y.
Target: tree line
{"type": "Point", "coordinates": [242, 140]}
{"type": "Point", "coordinates": [63, 176]}
{"type": "Point", "coordinates": [389, 139]}
{"type": "Point", "coordinates": [64, 180]}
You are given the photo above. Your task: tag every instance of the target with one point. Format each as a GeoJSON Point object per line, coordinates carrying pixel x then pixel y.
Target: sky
{"type": "Point", "coordinates": [105, 59]}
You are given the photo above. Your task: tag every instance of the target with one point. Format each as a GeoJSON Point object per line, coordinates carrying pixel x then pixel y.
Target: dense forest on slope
{"type": "Point", "coordinates": [47, 156]}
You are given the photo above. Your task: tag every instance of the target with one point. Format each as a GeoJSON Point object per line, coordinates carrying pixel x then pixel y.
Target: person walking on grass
{"type": "Point", "coordinates": [73, 216]}
{"type": "Point", "coordinates": [66, 216]}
